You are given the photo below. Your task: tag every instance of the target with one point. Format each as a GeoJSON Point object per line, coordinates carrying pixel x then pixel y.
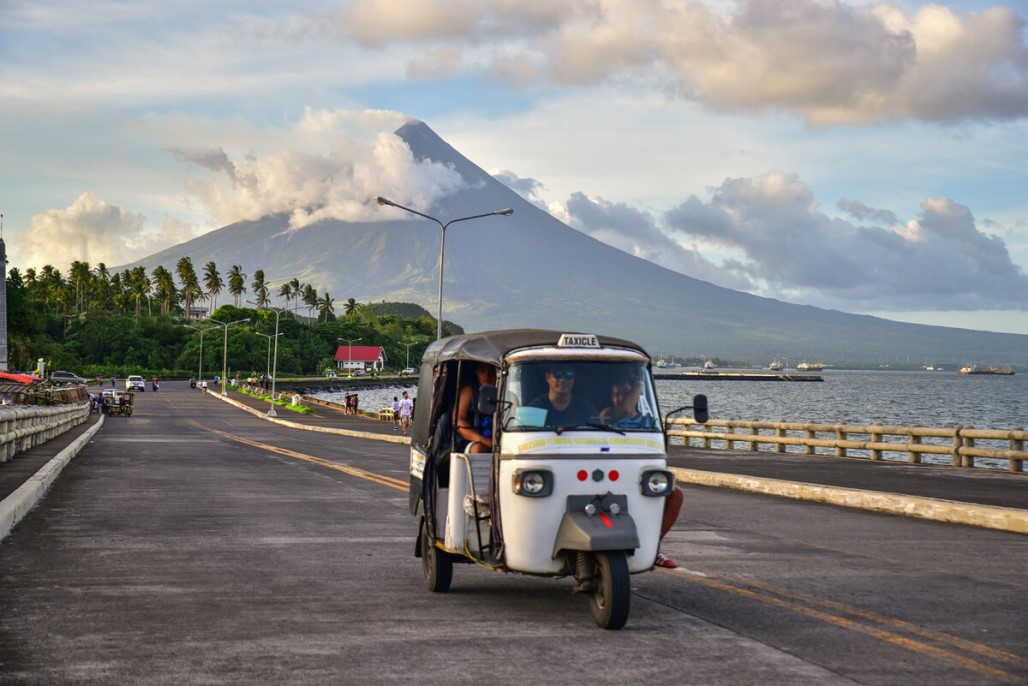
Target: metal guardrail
{"type": "Point", "coordinates": [22, 428]}
{"type": "Point", "coordinates": [960, 443]}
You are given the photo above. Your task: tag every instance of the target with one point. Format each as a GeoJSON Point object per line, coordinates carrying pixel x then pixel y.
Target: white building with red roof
{"type": "Point", "coordinates": [368, 358]}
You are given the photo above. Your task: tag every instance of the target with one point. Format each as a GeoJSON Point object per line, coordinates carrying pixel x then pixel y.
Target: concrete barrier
{"type": "Point", "coordinates": [935, 509]}
{"type": "Point", "coordinates": [22, 428]}
{"type": "Point", "coordinates": [15, 506]}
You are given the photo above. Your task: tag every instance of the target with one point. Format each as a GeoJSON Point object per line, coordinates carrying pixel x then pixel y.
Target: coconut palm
{"type": "Point", "coordinates": [310, 299]}
{"type": "Point", "coordinates": [166, 291]}
{"type": "Point", "coordinates": [213, 283]}
{"type": "Point", "coordinates": [236, 283]}
{"type": "Point", "coordinates": [351, 307]}
{"type": "Point", "coordinates": [260, 289]}
{"type": "Point", "coordinates": [190, 284]}
{"type": "Point", "coordinates": [80, 277]}
{"type": "Point", "coordinates": [286, 291]}
{"type": "Point", "coordinates": [325, 307]}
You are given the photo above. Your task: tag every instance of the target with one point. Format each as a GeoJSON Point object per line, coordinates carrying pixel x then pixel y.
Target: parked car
{"type": "Point", "coordinates": [357, 372]}
{"type": "Point", "coordinates": [59, 378]}
{"type": "Point", "coordinates": [408, 371]}
{"type": "Point", "coordinates": [135, 383]}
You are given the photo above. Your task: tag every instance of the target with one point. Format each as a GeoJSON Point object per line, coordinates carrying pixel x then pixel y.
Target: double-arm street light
{"type": "Point", "coordinates": [267, 366]}
{"type": "Point", "coordinates": [407, 366]}
{"type": "Point", "coordinates": [349, 353]}
{"type": "Point", "coordinates": [274, 367]}
{"type": "Point", "coordinates": [224, 353]}
{"type": "Point", "coordinates": [442, 246]}
{"type": "Point", "coordinates": [199, 370]}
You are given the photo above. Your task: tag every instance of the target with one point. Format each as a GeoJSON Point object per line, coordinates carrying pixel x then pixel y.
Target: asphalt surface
{"type": "Point", "coordinates": [194, 543]}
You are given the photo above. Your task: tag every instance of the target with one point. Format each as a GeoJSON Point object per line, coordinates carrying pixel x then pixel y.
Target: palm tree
{"type": "Point", "coordinates": [101, 287]}
{"type": "Point", "coordinates": [260, 289]}
{"type": "Point", "coordinates": [351, 307]}
{"type": "Point", "coordinates": [286, 291]}
{"type": "Point", "coordinates": [190, 284]}
{"type": "Point", "coordinates": [236, 283]}
{"type": "Point", "coordinates": [213, 282]}
{"type": "Point", "coordinates": [325, 306]}
{"type": "Point", "coordinates": [310, 299]}
{"type": "Point", "coordinates": [80, 277]}
{"type": "Point", "coordinates": [139, 286]}
{"type": "Point", "coordinates": [166, 291]}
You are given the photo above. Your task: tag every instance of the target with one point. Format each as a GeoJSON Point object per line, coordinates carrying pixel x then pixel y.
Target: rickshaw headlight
{"type": "Point", "coordinates": [534, 483]}
{"type": "Point", "coordinates": [657, 482]}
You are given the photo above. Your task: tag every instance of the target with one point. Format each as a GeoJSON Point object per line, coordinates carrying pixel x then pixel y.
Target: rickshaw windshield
{"type": "Point", "coordinates": [584, 395]}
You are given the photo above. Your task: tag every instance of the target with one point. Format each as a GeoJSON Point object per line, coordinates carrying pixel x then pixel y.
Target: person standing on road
{"type": "Point", "coordinates": [396, 413]}
{"type": "Point", "coordinates": [406, 407]}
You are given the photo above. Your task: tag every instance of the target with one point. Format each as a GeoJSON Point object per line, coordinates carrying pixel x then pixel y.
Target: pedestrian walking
{"type": "Point", "coordinates": [406, 407]}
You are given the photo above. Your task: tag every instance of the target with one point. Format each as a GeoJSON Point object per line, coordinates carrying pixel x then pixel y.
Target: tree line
{"type": "Point", "coordinates": [93, 322]}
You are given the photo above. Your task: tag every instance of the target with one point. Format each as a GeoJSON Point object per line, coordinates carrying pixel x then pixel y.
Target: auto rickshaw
{"type": "Point", "coordinates": [118, 402]}
{"type": "Point", "coordinates": [557, 495]}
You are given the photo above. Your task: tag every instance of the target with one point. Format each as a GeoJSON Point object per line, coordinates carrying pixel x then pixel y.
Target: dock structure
{"type": "Point", "coordinates": [737, 376]}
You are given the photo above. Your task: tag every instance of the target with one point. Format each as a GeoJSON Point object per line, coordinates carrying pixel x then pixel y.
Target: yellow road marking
{"type": "Point", "coordinates": [764, 593]}
{"type": "Point", "coordinates": [381, 479]}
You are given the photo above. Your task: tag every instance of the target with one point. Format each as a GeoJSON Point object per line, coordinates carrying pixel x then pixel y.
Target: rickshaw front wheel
{"type": "Point", "coordinates": [612, 593]}
{"type": "Point", "coordinates": [435, 563]}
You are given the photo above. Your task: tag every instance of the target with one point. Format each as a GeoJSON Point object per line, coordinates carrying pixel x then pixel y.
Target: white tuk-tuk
{"type": "Point", "coordinates": [570, 485]}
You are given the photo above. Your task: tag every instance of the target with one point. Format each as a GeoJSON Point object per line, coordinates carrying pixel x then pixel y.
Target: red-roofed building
{"type": "Point", "coordinates": [369, 358]}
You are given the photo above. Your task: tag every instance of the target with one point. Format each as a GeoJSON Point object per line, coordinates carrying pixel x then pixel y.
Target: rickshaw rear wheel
{"type": "Point", "coordinates": [612, 593]}
{"type": "Point", "coordinates": [435, 563]}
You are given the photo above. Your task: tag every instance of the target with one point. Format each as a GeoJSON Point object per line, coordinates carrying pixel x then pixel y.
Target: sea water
{"type": "Point", "coordinates": [936, 399]}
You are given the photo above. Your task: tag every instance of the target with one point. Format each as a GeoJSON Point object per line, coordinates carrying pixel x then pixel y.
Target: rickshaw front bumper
{"type": "Point", "coordinates": [596, 523]}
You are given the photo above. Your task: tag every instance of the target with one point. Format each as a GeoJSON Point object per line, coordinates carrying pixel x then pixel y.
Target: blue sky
{"type": "Point", "coordinates": [861, 156]}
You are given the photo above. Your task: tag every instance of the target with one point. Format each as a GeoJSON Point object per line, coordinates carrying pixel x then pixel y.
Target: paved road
{"type": "Point", "coordinates": [194, 543]}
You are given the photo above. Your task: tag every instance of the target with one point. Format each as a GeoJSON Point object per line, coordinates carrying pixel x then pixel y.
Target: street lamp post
{"type": "Point", "coordinates": [224, 352]}
{"type": "Point", "coordinates": [407, 366]}
{"type": "Point", "coordinates": [349, 354]}
{"type": "Point", "coordinates": [267, 366]}
{"type": "Point", "coordinates": [199, 370]}
{"type": "Point", "coordinates": [442, 246]}
{"type": "Point", "coordinates": [274, 367]}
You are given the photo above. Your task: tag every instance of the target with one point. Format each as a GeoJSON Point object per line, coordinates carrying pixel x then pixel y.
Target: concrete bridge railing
{"type": "Point", "coordinates": [966, 446]}
{"type": "Point", "coordinates": [22, 428]}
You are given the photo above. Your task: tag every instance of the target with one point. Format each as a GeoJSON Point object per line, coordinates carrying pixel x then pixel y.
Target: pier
{"type": "Point", "coordinates": [736, 376]}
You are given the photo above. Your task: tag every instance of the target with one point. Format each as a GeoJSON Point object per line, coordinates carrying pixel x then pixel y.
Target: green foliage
{"type": "Point", "coordinates": [95, 323]}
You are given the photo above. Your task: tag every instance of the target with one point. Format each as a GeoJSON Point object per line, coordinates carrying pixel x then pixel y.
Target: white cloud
{"type": "Point", "coordinates": [91, 230]}
{"type": "Point", "coordinates": [939, 260]}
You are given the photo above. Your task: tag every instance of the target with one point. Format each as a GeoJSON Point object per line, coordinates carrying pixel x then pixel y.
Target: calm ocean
{"type": "Point", "coordinates": [939, 399]}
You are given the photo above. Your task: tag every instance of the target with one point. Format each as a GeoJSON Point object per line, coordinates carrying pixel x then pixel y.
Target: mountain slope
{"type": "Point", "coordinates": [532, 270]}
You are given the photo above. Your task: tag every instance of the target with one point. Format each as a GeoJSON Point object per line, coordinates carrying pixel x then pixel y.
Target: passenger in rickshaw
{"type": "Point", "coordinates": [562, 407]}
{"type": "Point", "coordinates": [475, 430]}
{"type": "Point", "coordinates": [624, 413]}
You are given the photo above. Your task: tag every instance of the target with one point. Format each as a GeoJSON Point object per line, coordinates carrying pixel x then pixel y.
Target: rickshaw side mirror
{"type": "Point", "coordinates": [699, 408]}
{"type": "Point", "coordinates": [487, 399]}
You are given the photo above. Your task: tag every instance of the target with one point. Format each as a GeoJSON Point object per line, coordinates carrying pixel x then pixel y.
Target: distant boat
{"type": "Point", "coordinates": [802, 366]}
{"type": "Point", "coordinates": [709, 364]}
{"type": "Point", "coordinates": [775, 366]}
{"type": "Point", "coordinates": [974, 369]}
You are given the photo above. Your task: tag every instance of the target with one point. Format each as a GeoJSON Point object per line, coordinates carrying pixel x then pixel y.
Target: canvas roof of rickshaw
{"type": "Point", "coordinates": [493, 346]}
